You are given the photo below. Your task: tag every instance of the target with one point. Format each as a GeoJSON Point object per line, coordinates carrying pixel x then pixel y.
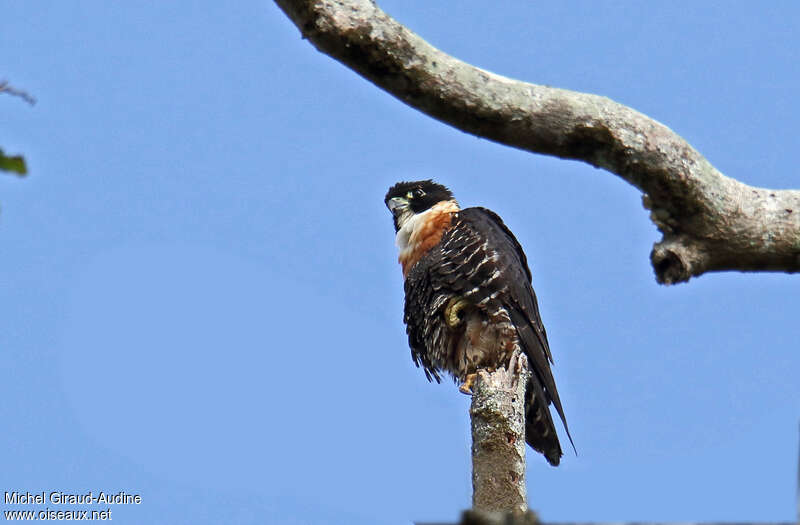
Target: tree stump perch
{"type": "Point", "coordinates": [497, 414]}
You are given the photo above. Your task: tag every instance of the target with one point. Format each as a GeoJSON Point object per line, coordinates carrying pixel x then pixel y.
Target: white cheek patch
{"type": "Point", "coordinates": [402, 239]}
{"type": "Point", "coordinates": [409, 222]}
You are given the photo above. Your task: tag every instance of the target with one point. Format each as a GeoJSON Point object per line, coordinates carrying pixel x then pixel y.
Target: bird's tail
{"type": "Point", "coordinates": [540, 432]}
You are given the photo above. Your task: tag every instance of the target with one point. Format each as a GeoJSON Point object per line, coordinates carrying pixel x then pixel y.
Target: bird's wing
{"type": "Point", "coordinates": [419, 296]}
{"type": "Point", "coordinates": [517, 296]}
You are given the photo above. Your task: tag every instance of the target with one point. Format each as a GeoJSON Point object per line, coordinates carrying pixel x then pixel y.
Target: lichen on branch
{"type": "Point", "coordinates": [497, 415]}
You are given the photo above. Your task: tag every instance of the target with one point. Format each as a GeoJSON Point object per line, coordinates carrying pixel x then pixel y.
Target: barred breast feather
{"type": "Point", "coordinates": [470, 304]}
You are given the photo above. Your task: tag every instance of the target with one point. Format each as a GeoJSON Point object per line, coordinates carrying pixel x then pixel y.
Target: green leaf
{"type": "Point", "coordinates": [14, 164]}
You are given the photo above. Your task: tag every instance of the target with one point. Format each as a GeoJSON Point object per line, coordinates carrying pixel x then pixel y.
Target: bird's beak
{"type": "Point", "coordinates": [397, 204]}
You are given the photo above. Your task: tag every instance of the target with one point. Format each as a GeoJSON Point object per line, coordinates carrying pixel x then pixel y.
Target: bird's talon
{"type": "Point", "coordinates": [466, 386]}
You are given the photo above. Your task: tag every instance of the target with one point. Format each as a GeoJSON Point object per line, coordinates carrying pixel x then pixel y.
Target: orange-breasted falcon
{"type": "Point", "coordinates": [469, 301]}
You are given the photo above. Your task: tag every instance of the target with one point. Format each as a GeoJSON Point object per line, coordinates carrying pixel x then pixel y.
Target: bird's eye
{"type": "Point", "coordinates": [410, 195]}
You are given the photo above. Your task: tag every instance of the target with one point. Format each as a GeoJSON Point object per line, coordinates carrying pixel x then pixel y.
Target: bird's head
{"type": "Point", "coordinates": [406, 199]}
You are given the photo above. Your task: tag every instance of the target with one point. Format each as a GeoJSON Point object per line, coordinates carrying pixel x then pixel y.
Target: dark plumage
{"type": "Point", "coordinates": [469, 300]}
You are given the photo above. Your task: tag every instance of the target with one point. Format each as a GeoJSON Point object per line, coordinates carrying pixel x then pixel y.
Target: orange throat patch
{"type": "Point", "coordinates": [423, 231]}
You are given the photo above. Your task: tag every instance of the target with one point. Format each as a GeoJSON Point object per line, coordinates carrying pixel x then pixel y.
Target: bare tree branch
{"type": "Point", "coordinates": [6, 88]}
{"type": "Point", "coordinates": [709, 222]}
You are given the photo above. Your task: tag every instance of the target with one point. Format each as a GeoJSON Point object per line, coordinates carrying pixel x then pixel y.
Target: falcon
{"type": "Point", "coordinates": [469, 302]}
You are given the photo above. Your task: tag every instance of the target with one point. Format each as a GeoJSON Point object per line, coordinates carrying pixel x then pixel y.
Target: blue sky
{"type": "Point", "coordinates": [201, 302]}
